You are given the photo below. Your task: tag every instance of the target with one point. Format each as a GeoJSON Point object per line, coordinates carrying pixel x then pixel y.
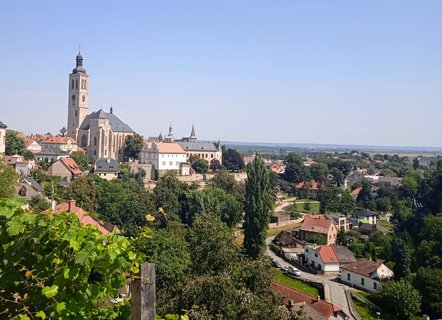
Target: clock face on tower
{"type": "Point", "coordinates": [83, 98]}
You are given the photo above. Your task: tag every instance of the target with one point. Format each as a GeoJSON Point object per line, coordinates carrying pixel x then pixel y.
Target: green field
{"type": "Point", "coordinates": [279, 276]}
{"type": "Point", "coordinates": [299, 206]}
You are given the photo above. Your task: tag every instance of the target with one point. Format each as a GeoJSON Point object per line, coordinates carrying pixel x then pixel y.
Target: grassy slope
{"type": "Point", "coordinates": [279, 276]}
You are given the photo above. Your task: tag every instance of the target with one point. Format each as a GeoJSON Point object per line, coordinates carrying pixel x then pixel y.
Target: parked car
{"type": "Point", "coordinates": [292, 271]}
{"type": "Point", "coordinates": [276, 264]}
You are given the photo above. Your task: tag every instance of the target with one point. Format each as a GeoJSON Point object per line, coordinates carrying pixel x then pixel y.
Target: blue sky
{"type": "Point", "coordinates": [331, 71]}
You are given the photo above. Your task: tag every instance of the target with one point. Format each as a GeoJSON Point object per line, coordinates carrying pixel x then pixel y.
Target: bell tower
{"type": "Point", "coordinates": [78, 100]}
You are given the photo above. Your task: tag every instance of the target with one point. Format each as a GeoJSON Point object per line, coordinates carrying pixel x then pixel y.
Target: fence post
{"type": "Point", "coordinates": [142, 290]}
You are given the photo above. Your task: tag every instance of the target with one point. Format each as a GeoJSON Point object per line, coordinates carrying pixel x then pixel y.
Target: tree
{"type": "Point", "coordinates": [295, 171]}
{"type": "Point", "coordinates": [320, 172]}
{"type": "Point", "coordinates": [258, 207]}
{"type": "Point", "coordinates": [133, 146]}
{"type": "Point", "coordinates": [365, 197]}
{"type": "Point", "coordinates": [53, 266]}
{"type": "Point", "coordinates": [336, 200]}
{"type": "Point", "coordinates": [8, 180]}
{"type": "Point", "coordinates": [341, 238]}
{"type": "Point", "coordinates": [14, 144]}
{"type": "Point", "coordinates": [80, 158]}
{"type": "Point", "coordinates": [200, 166]}
{"type": "Point", "coordinates": [223, 179]}
{"type": "Point", "coordinates": [402, 258]}
{"type": "Point", "coordinates": [430, 192]}
{"type": "Point", "coordinates": [307, 206]}
{"type": "Point", "coordinates": [399, 299]}
{"type": "Point", "coordinates": [429, 283]}
{"type": "Point", "coordinates": [337, 177]}
{"type": "Point", "coordinates": [215, 201]}
{"type": "Point", "coordinates": [125, 204]}
{"type": "Point", "coordinates": [168, 249]}
{"type": "Point", "coordinates": [83, 190]}
{"type": "Point", "coordinates": [215, 165]}
{"type": "Point", "coordinates": [233, 160]}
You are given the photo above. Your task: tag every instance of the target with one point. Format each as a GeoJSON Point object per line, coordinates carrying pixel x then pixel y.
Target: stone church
{"type": "Point", "coordinates": [101, 134]}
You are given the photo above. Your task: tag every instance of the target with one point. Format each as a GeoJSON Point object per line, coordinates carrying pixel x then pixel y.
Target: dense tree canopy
{"type": "Point", "coordinates": [133, 146]}
{"type": "Point", "coordinates": [232, 160]}
{"type": "Point", "coordinates": [295, 171]}
{"type": "Point", "coordinates": [336, 200]}
{"type": "Point", "coordinates": [200, 165]}
{"type": "Point", "coordinates": [8, 180]}
{"type": "Point", "coordinates": [80, 158]}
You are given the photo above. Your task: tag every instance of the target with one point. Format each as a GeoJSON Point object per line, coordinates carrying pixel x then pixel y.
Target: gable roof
{"type": "Point", "coordinates": [313, 185]}
{"type": "Point", "coordinates": [356, 191]}
{"type": "Point", "coordinates": [325, 308]}
{"type": "Point", "coordinates": [53, 151]}
{"type": "Point", "coordinates": [328, 254]}
{"type": "Point", "coordinates": [2, 125]}
{"type": "Point", "coordinates": [316, 223]}
{"type": "Point", "coordinates": [116, 124]}
{"type": "Point", "coordinates": [362, 213]}
{"type": "Point", "coordinates": [34, 184]}
{"type": "Point", "coordinates": [344, 254]}
{"type": "Point", "coordinates": [71, 207]}
{"type": "Point", "coordinates": [285, 238]}
{"type": "Point", "coordinates": [71, 165]}
{"type": "Point", "coordinates": [363, 267]}
{"type": "Point", "coordinates": [107, 165]}
{"type": "Point", "coordinates": [166, 147]}
{"type": "Point", "coordinates": [198, 146]}
{"type": "Point", "coordinates": [58, 140]}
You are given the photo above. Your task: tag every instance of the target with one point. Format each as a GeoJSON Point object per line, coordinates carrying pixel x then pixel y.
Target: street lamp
{"type": "Point", "coordinates": [378, 314]}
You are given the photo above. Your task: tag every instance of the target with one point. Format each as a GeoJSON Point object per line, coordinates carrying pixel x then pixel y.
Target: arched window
{"type": "Point", "coordinates": [73, 83]}
{"type": "Point", "coordinates": [83, 140]}
{"type": "Point", "coordinates": [76, 113]}
{"type": "Point", "coordinates": [76, 83]}
{"type": "Point", "coordinates": [95, 141]}
{"type": "Point", "coordinates": [85, 84]}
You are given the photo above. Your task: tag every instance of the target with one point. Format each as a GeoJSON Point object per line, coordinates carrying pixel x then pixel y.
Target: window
{"type": "Point", "coordinates": [348, 276]}
{"type": "Point", "coordinates": [73, 84]}
{"type": "Point", "coordinates": [95, 141]}
{"type": "Point", "coordinates": [363, 281]}
{"type": "Point", "coordinates": [177, 163]}
{"type": "Point", "coordinates": [316, 255]}
{"type": "Point", "coordinates": [163, 163]}
{"type": "Point", "coordinates": [76, 113]}
{"type": "Point", "coordinates": [375, 285]}
{"type": "Point", "coordinates": [22, 192]}
{"type": "Point", "coordinates": [170, 163]}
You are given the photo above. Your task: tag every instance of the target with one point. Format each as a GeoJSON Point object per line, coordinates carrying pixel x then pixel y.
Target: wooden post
{"type": "Point", "coordinates": [142, 290]}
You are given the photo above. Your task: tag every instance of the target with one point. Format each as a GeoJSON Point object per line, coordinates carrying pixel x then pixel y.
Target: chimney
{"type": "Point", "coordinates": [318, 298]}
{"type": "Point", "coordinates": [71, 205]}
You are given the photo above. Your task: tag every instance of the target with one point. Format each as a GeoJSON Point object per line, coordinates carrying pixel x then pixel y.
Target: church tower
{"type": "Point", "coordinates": [78, 105]}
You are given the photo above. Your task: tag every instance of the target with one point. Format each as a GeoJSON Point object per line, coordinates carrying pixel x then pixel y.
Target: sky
{"type": "Point", "coordinates": [312, 71]}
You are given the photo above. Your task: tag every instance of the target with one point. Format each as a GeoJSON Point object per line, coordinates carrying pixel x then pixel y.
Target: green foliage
{"type": "Point", "coordinates": [84, 191]}
{"type": "Point", "coordinates": [320, 172]}
{"type": "Point", "coordinates": [80, 158]}
{"type": "Point", "coordinates": [365, 196]}
{"type": "Point", "coordinates": [258, 207]}
{"type": "Point", "coordinates": [402, 259]}
{"type": "Point", "coordinates": [169, 193]}
{"type": "Point", "coordinates": [124, 203]}
{"type": "Point", "coordinates": [225, 180]}
{"type": "Point", "coordinates": [211, 245]}
{"type": "Point", "coordinates": [232, 160]}
{"type": "Point", "coordinates": [133, 146]}
{"type": "Point", "coordinates": [295, 171]}
{"type": "Point", "coordinates": [39, 204]}
{"type": "Point", "coordinates": [399, 299]}
{"type": "Point", "coordinates": [8, 180]}
{"type": "Point", "coordinates": [429, 283]}
{"type": "Point", "coordinates": [14, 144]}
{"type": "Point", "coordinates": [430, 249]}
{"type": "Point", "coordinates": [215, 201]}
{"type": "Point", "coordinates": [215, 165]}
{"type": "Point", "coordinates": [168, 249]}
{"type": "Point", "coordinates": [430, 192]}
{"type": "Point", "coordinates": [55, 267]}
{"type": "Point", "coordinates": [200, 165]}
{"type": "Point", "coordinates": [336, 200]}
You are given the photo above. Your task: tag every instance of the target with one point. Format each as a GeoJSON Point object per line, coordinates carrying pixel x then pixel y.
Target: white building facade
{"type": "Point", "coordinates": [163, 156]}
{"type": "Point", "coordinates": [365, 274]}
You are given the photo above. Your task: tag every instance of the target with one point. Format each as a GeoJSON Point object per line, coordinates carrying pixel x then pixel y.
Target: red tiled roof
{"type": "Point", "coordinates": [356, 191]}
{"type": "Point", "coordinates": [325, 308]}
{"type": "Point", "coordinates": [58, 140]}
{"type": "Point", "coordinates": [316, 223]}
{"type": "Point", "coordinates": [328, 254]}
{"type": "Point", "coordinates": [313, 185]}
{"type": "Point", "coordinates": [71, 165]}
{"type": "Point", "coordinates": [166, 147]}
{"type": "Point", "coordinates": [70, 206]}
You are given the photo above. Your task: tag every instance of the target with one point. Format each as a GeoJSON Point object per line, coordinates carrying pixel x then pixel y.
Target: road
{"type": "Point", "coordinates": [334, 292]}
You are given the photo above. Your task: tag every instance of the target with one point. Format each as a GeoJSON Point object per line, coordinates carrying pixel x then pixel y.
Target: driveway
{"type": "Point", "coordinates": [334, 292]}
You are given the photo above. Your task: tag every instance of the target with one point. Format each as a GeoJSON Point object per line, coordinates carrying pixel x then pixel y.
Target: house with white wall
{"type": "Point", "coordinates": [365, 216]}
{"type": "Point", "coordinates": [163, 156]}
{"type": "Point", "coordinates": [365, 274]}
{"type": "Point", "coordinates": [326, 258]}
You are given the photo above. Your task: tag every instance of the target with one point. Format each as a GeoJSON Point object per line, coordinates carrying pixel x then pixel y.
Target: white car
{"type": "Point", "coordinates": [293, 271]}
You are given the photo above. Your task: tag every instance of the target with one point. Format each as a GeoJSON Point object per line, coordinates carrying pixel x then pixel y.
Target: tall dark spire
{"type": "Point", "coordinates": [192, 134]}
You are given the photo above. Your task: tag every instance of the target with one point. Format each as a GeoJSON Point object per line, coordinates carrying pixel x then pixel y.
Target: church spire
{"type": "Point", "coordinates": [192, 134]}
{"type": "Point", "coordinates": [79, 63]}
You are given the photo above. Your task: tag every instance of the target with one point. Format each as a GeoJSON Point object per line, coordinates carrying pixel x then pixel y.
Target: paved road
{"type": "Point", "coordinates": [334, 292]}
